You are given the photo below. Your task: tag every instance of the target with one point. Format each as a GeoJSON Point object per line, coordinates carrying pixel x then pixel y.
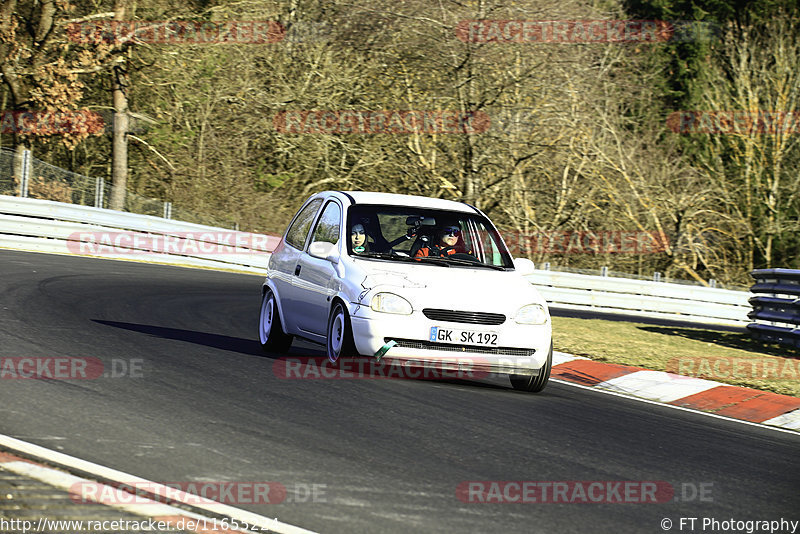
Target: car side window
{"type": "Point", "coordinates": [298, 231]}
{"type": "Point", "coordinates": [327, 229]}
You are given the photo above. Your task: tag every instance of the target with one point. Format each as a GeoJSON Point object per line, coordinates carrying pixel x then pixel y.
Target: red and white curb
{"type": "Point", "coordinates": [696, 394]}
{"type": "Point", "coordinates": [111, 496]}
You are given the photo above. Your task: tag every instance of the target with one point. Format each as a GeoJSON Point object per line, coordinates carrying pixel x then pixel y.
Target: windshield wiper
{"type": "Point", "coordinates": [444, 261]}
{"type": "Point", "coordinates": [471, 263]}
{"type": "Point", "coordinates": [436, 260]}
{"type": "Point", "coordinates": [388, 256]}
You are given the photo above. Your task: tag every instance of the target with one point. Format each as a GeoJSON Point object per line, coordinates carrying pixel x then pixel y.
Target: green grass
{"type": "Point", "coordinates": [694, 351]}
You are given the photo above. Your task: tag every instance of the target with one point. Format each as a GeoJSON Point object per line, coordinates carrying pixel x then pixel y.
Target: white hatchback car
{"type": "Point", "coordinates": [406, 278]}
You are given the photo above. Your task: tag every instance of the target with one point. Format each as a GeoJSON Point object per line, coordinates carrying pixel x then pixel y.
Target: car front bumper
{"type": "Point", "coordinates": [521, 349]}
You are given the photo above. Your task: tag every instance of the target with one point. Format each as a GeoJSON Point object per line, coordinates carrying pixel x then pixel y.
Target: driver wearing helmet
{"type": "Point", "coordinates": [449, 237]}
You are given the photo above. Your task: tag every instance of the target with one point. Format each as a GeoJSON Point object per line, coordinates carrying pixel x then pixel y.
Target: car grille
{"type": "Point", "coordinates": [497, 351]}
{"type": "Point", "coordinates": [455, 316]}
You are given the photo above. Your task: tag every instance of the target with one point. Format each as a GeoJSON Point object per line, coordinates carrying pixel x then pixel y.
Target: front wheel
{"type": "Point", "coordinates": [534, 384]}
{"type": "Point", "coordinates": [340, 335]}
{"type": "Point", "coordinates": [270, 331]}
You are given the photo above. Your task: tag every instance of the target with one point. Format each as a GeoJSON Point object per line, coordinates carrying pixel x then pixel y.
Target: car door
{"type": "Point", "coordinates": [285, 259]}
{"type": "Point", "coordinates": [316, 280]}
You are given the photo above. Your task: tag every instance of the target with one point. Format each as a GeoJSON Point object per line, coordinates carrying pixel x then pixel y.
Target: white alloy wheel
{"type": "Point", "coordinates": [270, 331]}
{"type": "Point", "coordinates": [340, 338]}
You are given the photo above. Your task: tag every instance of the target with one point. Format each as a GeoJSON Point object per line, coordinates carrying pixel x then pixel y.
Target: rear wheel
{"type": "Point", "coordinates": [534, 384]}
{"type": "Point", "coordinates": [270, 330]}
{"type": "Point", "coordinates": [340, 336]}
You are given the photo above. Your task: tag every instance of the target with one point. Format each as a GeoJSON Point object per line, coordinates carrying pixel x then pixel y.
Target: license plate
{"type": "Point", "coordinates": [463, 337]}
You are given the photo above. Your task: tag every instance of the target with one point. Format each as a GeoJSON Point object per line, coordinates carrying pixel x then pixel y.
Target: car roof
{"type": "Point", "coordinates": [393, 199]}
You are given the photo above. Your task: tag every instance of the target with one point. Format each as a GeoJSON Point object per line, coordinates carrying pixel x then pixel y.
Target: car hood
{"type": "Point", "coordinates": [455, 288]}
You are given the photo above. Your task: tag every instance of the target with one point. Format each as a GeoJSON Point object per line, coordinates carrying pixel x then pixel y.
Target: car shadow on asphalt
{"type": "Point", "coordinates": [248, 346]}
{"type": "Point", "coordinates": [218, 341]}
{"type": "Point", "coordinates": [453, 382]}
{"type": "Point", "coordinates": [305, 353]}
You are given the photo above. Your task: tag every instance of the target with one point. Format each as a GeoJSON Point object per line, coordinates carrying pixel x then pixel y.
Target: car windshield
{"type": "Point", "coordinates": [447, 238]}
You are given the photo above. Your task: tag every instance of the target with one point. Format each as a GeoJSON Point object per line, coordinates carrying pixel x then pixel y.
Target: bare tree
{"type": "Point", "coordinates": [752, 162]}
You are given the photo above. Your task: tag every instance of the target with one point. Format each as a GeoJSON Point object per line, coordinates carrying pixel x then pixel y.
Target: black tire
{"type": "Point", "coordinates": [270, 330]}
{"type": "Point", "coordinates": [339, 339]}
{"type": "Point", "coordinates": [534, 384]}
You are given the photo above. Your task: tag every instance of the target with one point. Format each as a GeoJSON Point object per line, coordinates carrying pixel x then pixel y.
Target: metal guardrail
{"type": "Point", "coordinates": [643, 298]}
{"type": "Point", "coordinates": [60, 228]}
{"type": "Point", "coordinates": [55, 227]}
{"type": "Point", "coordinates": [776, 306]}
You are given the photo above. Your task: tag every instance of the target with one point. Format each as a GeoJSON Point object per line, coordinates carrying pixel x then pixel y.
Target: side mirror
{"type": "Point", "coordinates": [524, 266]}
{"type": "Point", "coordinates": [324, 251]}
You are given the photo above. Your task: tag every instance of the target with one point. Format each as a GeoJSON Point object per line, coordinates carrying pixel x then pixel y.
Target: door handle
{"type": "Point", "coordinates": [297, 270]}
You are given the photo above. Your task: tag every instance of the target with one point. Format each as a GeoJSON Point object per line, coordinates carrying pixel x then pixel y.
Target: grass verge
{"type": "Point", "coordinates": [728, 357]}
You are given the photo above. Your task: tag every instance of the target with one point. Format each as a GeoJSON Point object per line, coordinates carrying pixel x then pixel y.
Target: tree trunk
{"type": "Point", "coordinates": [119, 146]}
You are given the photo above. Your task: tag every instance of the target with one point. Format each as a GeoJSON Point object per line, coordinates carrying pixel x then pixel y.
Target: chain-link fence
{"type": "Point", "coordinates": [7, 183]}
{"type": "Point", "coordinates": [49, 182]}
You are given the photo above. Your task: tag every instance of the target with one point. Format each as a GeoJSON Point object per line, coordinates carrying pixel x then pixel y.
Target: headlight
{"type": "Point", "coordinates": [390, 303]}
{"type": "Point", "coordinates": [531, 314]}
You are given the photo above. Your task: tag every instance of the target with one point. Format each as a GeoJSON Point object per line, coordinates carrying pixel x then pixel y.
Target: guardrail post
{"type": "Point", "coordinates": [99, 190]}
{"type": "Point", "coordinates": [656, 276]}
{"type": "Point", "coordinates": [547, 266]}
{"type": "Point", "coordinates": [26, 173]}
{"type": "Point", "coordinates": [604, 270]}
{"type": "Point", "coordinates": [712, 283]}
{"type": "Point", "coordinates": [167, 210]}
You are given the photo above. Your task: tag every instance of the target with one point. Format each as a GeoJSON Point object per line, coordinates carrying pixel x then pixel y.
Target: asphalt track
{"type": "Point", "coordinates": [385, 455]}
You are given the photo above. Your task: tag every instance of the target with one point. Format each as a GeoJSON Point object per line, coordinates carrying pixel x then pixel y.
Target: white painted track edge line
{"type": "Point", "coordinates": [67, 481]}
{"type": "Point", "coordinates": [70, 462]}
{"type": "Point", "coordinates": [674, 407]}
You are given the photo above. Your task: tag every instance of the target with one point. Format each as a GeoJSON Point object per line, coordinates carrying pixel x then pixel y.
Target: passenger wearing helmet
{"type": "Point", "coordinates": [448, 242]}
